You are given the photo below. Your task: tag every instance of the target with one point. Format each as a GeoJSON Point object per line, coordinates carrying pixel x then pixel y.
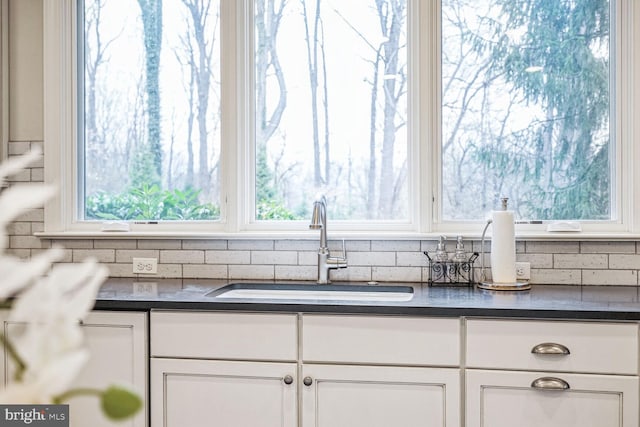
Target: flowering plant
{"type": "Point", "coordinates": [49, 301]}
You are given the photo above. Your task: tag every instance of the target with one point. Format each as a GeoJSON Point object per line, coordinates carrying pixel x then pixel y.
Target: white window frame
{"type": "Point", "coordinates": [237, 148]}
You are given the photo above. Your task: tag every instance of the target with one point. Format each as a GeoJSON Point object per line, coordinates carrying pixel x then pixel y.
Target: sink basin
{"type": "Point", "coordinates": [295, 291]}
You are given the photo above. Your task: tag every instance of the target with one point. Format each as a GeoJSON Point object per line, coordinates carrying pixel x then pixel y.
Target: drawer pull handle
{"type": "Point", "coordinates": [288, 379]}
{"type": "Point", "coordinates": [307, 381]}
{"type": "Point", "coordinates": [550, 348]}
{"type": "Point", "coordinates": [550, 383]}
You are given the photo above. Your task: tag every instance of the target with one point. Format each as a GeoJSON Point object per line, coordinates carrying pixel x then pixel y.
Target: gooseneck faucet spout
{"type": "Point", "coordinates": [325, 261]}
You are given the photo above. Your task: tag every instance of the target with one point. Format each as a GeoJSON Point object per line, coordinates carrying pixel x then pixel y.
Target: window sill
{"type": "Point", "coordinates": [335, 235]}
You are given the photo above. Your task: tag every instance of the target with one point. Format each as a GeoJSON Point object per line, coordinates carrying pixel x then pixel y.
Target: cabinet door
{"type": "Point", "coordinates": [204, 393]}
{"type": "Point", "coordinates": [508, 399]}
{"type": "Point", "coordinates": [377, 396]}
{"type": "Point", "coordinates": [117, 345]}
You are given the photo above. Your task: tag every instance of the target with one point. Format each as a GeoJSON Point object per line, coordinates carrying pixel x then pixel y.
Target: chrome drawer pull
{"type": "Point", "coordinates": [550, 383]}
{"type": "Point", "coordinates": [288, 379]}
{"type": "Point", "coordinates": [550, 348]}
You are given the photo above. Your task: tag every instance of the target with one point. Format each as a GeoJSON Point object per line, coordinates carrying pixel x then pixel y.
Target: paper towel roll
{"type": "Point", "coordinates": [503, 248]}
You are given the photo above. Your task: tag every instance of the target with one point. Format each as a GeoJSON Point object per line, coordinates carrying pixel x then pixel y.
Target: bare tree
{"type": "Point", "coordinates": [201, 67]}
{"type": "Point", "coordinates": [392, 14]}
{"type": "Point", "coordinates": [314, 41]}
{"type": "Point", "coordinates": [268, 15]}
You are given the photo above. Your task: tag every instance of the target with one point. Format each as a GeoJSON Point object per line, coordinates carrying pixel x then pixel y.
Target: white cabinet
{"type": "Point", "coordinates": [323, 370]}
{"type": "Point", "coordinates": [256, 384]}
{"type": "Point", "coordinates": [259, 369]}
{"type": "Point", "coordinates": [551, 373]}
{"type": "Point", "coordinates": [379, 396]}
{"type": "Point", "coordinates": [117, 342]}
{"type": "Point", "coordinates": [507, 399]}
{"type": "Point", "coordinates": [384, 371]}
{"type": "Point", "coordinates": [203, 393]}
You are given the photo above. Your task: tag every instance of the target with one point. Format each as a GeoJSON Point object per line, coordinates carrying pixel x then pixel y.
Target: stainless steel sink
{"type": "Point", "coordinates": [298, 291]}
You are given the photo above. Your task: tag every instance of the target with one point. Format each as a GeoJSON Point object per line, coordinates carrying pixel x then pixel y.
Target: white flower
{"type": "Point", "coordinates": [51, 311]}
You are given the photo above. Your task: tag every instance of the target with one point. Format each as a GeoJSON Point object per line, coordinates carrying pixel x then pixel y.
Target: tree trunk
{"type": "Point", "coordinates": [152, 24]}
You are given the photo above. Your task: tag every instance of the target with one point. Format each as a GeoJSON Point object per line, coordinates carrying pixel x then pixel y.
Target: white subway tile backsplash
{"type": "Point", "coordinates": [22, 176]}
{"type": "Point", "coordinates": [160, 244]}
{"type": "Point", "coordinates": [170, 271]}
{"type": "Point", "coordinates": [556, 276]}
{"type": "Point", "coordinates": [372, 258]}
{"type": "Point", "coordinates": [73, 243]}
{"type": "Point", "coordinates": [119, 270]}
{"type": "Point", "coordinates": [607, 247]}
{"type": "Point", "coordinates": [296, 272]}
{"type": "Point", "coordinates": [610, 277]}
{"type": "Point", "coordinates": [19, 253]}
{"type": "Point", "coordinates": [204, 271]}
{"type": "Point", "coordinates": [18, 147]}
{"type": "Point", "coordinates": [24, 242]}
{"type": "Point", "coordinates": [411, 259]}
{"type": "Point", "coordinates": [552, 247]}
{"type": "Point", "coordinates": [37, 227]}
{"type": "Point", "coordinates": [536, 260]}
{"type": "Point", "coordinates": [624, 262]}
{"type": "Point", "coordinates": [296, 245]}
{"type": "Point", "coordinates": [204, 244]}
{"type": "Point", "coordinates": [114, 244]}
{"type": "Point", "coordinates": [310, 258]}
{"type": "Point", "coordinates": [101, 255]}
{"type": "Point", "coordinates": [181, 257]}
{"type": "Point", "coordinates": [563, 261]}
{"type": "Point", "coordinates": [19, 229]}
{"type": "Point", "coordinates": [127, 255]}
{"type": "Point", "coordinates": [228, 257]}
{"type": "Point", "coordinates": [256, 272]}
{"type": "Point", "coordinates": [37, 174]}
{"type": "Point", "coordinates": [395, 245]}
{"type": "Point", "coordinates": [355, 246]}
{"type": "Point", "coordinates": [396, 274]}
{"type": "Point", "coordinates": [252, 245]}
{"type": "Point", "coordinates": [67, 254]}
{"type": "Point", "coordinates": [31, 215]}
{"type": "Point", "coordinates": [350, 274]}
{"type": "Point", "coordinates": [274, 257]}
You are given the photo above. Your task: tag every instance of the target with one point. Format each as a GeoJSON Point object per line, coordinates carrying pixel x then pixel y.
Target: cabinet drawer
{"type": "Point", "coordinates": [592, 347]}
{"type": "Point", "coordinates": [222, 335]}
{"type": "Point", "coordinates": [381, 340]}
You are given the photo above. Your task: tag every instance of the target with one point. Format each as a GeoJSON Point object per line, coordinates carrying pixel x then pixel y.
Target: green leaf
{"type": "Point", "coordinates": [119, 402]}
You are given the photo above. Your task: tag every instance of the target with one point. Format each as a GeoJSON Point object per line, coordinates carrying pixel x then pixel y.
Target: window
{"type": "Point", "coordinates": [409, 116]}
{"type": "Point", "coordinates": [149, 103]}
{"type": "Point", "coordinates": [331, 108]}
{"type": "Point", "coordinates": [526, 105]}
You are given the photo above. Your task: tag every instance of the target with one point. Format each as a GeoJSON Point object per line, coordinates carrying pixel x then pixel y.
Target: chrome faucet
{"type": "Point", "coordinates": [325, 261]}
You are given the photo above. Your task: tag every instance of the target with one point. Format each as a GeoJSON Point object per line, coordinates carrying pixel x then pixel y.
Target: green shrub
{"type": "Point", "coordinates": [149, 202]}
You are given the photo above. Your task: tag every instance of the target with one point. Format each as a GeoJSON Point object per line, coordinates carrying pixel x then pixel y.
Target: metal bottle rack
{"type": "Point", "coordinates": [451, 272]}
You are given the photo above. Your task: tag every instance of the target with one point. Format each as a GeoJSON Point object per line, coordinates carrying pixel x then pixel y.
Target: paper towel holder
{"type": "Point", "coordinates": [483, 283]}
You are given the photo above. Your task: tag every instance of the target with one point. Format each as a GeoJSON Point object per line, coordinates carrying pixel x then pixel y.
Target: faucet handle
{"type": "Point", "coordinates": [344, 252]}
{"type": "Point", "coordinates": [343, 255]}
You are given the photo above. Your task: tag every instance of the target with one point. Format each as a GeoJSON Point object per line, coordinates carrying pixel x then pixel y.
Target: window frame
{"type": "Point", "coordinates": [238, 150]}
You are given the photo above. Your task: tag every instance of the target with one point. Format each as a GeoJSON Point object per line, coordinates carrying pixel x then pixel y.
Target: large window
{"type": "Point", "coordinates": [149, 109]}
{"type": "Point", "coordinates": [409, 116]}
{"type": "Point", "coordinates": [526, 108]}
{"type": "Point", "coordinates": [331, 108]}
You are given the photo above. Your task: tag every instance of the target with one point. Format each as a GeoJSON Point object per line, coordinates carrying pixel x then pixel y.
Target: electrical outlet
{"type": "Point", "coordinates": [145, 265]}
{"type": "Point", "coordinates": [523, 270]}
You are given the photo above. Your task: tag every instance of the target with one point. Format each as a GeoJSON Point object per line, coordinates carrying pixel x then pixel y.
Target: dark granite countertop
{"type": "Point", "coordinates": [542, 301]}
